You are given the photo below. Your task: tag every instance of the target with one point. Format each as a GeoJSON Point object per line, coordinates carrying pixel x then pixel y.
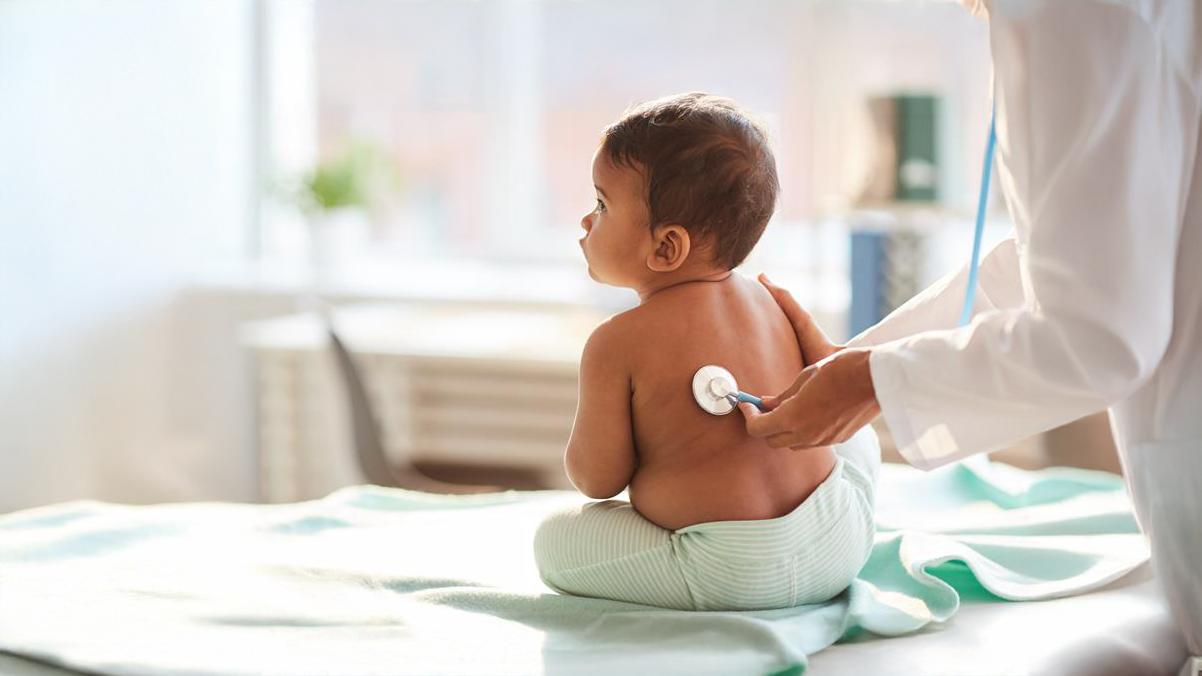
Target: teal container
{"type": "Point", "coordinates": [916, 134]}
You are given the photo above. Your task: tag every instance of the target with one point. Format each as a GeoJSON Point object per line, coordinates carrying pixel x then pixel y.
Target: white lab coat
{"type": "Point", "coordinates": [1095, 300]}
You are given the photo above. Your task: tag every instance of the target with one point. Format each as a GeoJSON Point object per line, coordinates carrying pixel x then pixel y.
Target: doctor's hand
{"type": "Point", "coordinates": [814, 344]}
{"type": "Point", "coordinates": [827, 403]}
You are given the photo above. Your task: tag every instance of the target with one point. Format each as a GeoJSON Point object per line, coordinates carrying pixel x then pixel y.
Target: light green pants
{"type": "Point", "coordinates": [608, 550]}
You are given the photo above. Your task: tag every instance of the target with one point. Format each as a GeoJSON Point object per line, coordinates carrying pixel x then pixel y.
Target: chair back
{"type": "Point", "coordinates": [369, 448]}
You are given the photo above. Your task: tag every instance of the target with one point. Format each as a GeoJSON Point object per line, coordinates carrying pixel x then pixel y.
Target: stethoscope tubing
{"type": "Point", "coordinates": [986, 172]}
{"type": "Point", "coordinates": [749, 398]}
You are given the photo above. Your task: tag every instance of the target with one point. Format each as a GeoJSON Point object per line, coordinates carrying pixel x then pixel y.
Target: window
{"type": "Point", "coordinates": [489, 112]}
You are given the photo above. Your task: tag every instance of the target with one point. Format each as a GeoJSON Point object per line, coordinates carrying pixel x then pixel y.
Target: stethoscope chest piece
{"type": "Point", "coordinates": [712, 388]}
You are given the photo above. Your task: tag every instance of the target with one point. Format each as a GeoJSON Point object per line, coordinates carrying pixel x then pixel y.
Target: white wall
{"type": "Point", "coordinates": [125, 168]}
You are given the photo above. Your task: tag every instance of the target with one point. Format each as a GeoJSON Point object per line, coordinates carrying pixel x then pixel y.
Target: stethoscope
{"type": "Point", "coordinates": [716, 390]}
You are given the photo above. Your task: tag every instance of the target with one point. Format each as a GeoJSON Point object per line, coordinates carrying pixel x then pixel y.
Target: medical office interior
{"type": "Point", "coordinates": [185, 186]}
{"type": "Point", "coordinates": [262, 251]}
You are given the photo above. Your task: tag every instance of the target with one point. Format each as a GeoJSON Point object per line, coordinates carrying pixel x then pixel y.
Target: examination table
{"type": "Point", "coordinates": [384, 581]}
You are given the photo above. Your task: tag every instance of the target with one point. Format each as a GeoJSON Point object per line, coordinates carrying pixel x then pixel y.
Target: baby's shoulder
{"type": "Point", "coordinates": [625, 333]}
{"type": "Point", "coordinates": [684, 315]}
{"type": "Point", "coordinates": [613, 335]}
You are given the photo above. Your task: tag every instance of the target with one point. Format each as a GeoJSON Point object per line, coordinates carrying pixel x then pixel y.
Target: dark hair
{"type": "Point", "coordinates": [707, 167]}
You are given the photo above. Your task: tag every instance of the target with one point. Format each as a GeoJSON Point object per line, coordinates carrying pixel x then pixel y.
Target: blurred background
{"type": "Point", "coordinates": [184, 185]}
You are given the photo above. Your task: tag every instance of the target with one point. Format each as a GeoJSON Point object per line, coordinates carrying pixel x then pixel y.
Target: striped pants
{"type": "Point", "coordinates": [608, 550]}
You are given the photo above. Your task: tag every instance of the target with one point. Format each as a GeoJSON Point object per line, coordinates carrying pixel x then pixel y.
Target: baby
{"type": "Point", "coordinates": [717, 520]}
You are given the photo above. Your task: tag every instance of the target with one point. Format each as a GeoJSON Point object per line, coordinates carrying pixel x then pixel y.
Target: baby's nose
{"type": "Point", "coordinates": [587, 222]}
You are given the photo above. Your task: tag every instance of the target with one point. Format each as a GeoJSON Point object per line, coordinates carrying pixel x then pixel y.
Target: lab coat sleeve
{"type": "Point", "coordinates": [940, 304]}
{"type": "Point", "coordinates": [1093, 145]}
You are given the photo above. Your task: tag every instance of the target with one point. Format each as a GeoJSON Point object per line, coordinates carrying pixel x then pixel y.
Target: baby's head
{"type": "Point", "coordinates": [686, 180]}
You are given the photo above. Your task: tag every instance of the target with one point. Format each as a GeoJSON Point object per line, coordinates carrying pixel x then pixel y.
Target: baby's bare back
{"type": "Point", "coordinates": [695, 467]}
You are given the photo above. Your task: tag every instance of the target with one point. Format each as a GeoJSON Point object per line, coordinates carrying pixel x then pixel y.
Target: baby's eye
{"type": "Point", "coordinates": [600, 205]}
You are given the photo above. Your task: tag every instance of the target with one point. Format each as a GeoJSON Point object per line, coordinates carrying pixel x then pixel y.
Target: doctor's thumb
{"type": "Point", "coordinates": [754, 419]}
{"type": "Point", "coordinates": [750, 412]}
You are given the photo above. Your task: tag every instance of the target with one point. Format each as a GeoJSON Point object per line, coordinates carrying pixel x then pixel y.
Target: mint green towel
{"type": "Point", "coordinates": [379, 581]}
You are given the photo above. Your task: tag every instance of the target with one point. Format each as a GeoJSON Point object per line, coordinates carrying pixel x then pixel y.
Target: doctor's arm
{"type": "Point", "coordinates": [939, 305]}
{"type": "Point", "coordinates": [600, 458]}
{"type": "Point", "coordinates": [1094, 143]}
{"type": "Point", "coordinates": [1096, 155]}
{"type": "Point", "coordinates": [999, 286]}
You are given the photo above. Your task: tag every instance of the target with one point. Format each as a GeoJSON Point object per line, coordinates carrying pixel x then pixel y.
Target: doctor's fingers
{"type": "Point", "coordinates": [769, 402]}
{"type": "Point", "coordinates": [806, 426]}
{"type": "Point", "coordinates": [803, 376]}
{"type": "Point", "coordinates": [815, 346]}
{"type": "Point", "coordinates": [779, 421]}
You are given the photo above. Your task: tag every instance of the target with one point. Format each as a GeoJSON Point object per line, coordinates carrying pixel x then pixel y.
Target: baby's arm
{"type": "Point", "coordinates": [600, 457]}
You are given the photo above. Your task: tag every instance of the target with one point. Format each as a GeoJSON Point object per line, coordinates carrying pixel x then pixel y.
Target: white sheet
{"type": "Point", "coordinates": [371, 581]}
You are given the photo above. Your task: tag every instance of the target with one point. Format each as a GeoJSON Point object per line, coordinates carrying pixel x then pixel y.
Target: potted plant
{"type": "Point", "coordinates": [336, 197]}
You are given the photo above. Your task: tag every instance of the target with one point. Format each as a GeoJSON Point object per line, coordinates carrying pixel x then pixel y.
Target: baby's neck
{"type": "Point", "coordinates": [667, 281]}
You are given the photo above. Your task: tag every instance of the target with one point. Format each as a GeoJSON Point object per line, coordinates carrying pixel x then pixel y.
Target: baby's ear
{"type": "Point", "coordinates": [670, 246]}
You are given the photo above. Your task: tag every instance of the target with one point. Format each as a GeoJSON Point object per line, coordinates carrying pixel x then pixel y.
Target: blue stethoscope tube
{"type": "Point", "coordinates": [749, 398]}
{"type": "Point", "coordinates": [971, 292]}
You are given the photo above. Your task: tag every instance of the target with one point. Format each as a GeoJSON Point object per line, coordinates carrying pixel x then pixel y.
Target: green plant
{"type": "Point", "coordinates": [353, 179]}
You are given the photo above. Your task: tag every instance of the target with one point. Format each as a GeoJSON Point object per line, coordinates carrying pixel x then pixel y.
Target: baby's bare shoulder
{"type": "Point", "coordinates": [614, 335]}
{"type": "Point", "coordinates": [696, 314]}
{"type": "Point", "coordinates": [640, 323]}
{"type": "Point", "coordinates": [627, 336]}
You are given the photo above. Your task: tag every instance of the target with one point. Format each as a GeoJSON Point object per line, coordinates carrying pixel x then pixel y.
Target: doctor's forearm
{"type": "Point", "coordinates": [1009, 375]}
